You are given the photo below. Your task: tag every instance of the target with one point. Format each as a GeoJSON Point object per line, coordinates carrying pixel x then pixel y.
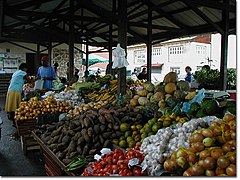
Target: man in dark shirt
{"type": "Point", "coordinates": [143, 74]}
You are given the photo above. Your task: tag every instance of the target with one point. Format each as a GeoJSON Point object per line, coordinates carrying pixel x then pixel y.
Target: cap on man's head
{"type": "Point", "coordinates": [44, 58]}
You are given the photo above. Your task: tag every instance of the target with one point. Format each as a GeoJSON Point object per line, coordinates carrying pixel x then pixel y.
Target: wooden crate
{"type": "Point", "coordinates": [28, 143]}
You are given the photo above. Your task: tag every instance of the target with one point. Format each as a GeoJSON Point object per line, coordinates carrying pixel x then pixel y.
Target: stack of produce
{"type": "Point", "coordinates": [109, 94]}
{"type": "Point", "coordinates": [31, 109]}
{"type": "Point", "coordinates": [70, 96]}
{"type": "Point", "coordinates": [212, 151]}
{"type": "Point", "coordinates": [157, 148]}
{"type": "Point", "coordinates": [117, 163]}
{"type": "Point", "coordinates": [57, 84]}
{"type": "Point", "coordinates": [84, 134]}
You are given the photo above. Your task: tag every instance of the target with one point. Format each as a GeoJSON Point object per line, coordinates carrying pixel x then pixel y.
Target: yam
{"type": "Point", "coordinates": [72, 146]}
{"type": "Point", "coordinates": [66, 139]}
{"type": "Point", "coordinates": [96, 128]}
{"type": "Point", "coordinates": [85, 150]}
{"type": "Point", "coordinates": [79, 149]}
{"type": "Point", "coordinates": [109, 118]}
{"type": "Point", "coordinates": [60, 138]}
{"type": "Point", "coordinates": [107, 143]}
{"type": "Point", "coordinates": [106, 135]}
{"type": "Point", "coordinates": [52, 146]}
{"type": "Point", "coordinates": [110, 126]}
{"type": "Point", "coordinates": [90, 132]}
{"type": "Point", "coordinates": [78, 129]}
{"type": "Point", "coordinates": [86, 122]}
{"type": "Point", "coordinates": [81, 141]}
{"type": "Point", "coordinates": [66, 161]}
{"type": "Point", "coordinates": [116, 127]}
{"type": "Point", "coordinates": [73, 154]}
{"type": "Point", "coordinates": [102, 128]}
{"type": "Point", "coordinates": [61, 146]}
{"type": "Point", "coordinates": [101, 139]}
{"type": "Point", "coordinates": [103, 111]}
{"type": "Point", "coordinates": [97, 145]}
{"type": "Point", "coordinates": [92, 151]}
{"type": "Point", "coordinates": [71, 133]}
{"type": "Point", "coordinates": [102, 119]}
{"type": "Point", "coordinates": [77, 123]}
{"type": "Point", "coordinates": [60, 155]}
{"type": "Point", "coordinates": [55, 139]}
{"type": "Point", "coordinates": [72, 125]}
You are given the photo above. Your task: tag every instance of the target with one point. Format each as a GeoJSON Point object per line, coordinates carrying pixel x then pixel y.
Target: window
{"type": "Point", "coordinates": [175, 69]}
{"type": "Point", "coordinates": [201, 49]}
{"type": "Point", "coordinates": [156, 51]}
{"type": "Point", "coordinates": [176, 50]}
{"type": "Point", "coordinates": [140, 56]}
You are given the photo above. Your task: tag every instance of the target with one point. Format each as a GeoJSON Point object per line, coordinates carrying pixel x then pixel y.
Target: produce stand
{"type": "Point", "coordinates": [24, 130]}
{"type": "Point", "coordinates": [53, 166]}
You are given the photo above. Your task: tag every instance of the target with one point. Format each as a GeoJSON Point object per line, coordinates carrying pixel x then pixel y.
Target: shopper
{"type": "Point", "coordinates": [143, 74]}
{"type": "Point", "coordinates": [56, 65]}
{"type": "Point", "coordinates": [75, 77]}
{"type": "Point", "coordinates": [47, 73]}
{"type": "Point", "coordinates": [15, 89]}
{"type": "Point", "coordinates": [189, 75]}
{"type": "Point", "coordinates": [135, 72]}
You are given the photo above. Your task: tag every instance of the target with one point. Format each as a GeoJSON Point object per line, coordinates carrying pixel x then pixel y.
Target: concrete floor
{"type": "Point", "coordinates": [12, 160]}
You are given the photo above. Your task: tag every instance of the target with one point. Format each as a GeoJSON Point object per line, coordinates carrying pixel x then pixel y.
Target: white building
{"type": "Point", "coordinates": [175, 55]}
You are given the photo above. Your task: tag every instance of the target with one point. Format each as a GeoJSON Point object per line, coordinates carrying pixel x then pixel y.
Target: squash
{"type": "Point", "coordinates": [179, 94]}
{"type": "Point", "coordinates": [172, 102]}
{"type": "Point", "coordinates": [142, 92]}
{"type": "Point", "coordinates": [167, 96]}
{"type": "Point", "coordinates": [183, 85]}
{"type": "Point", "coordinates": [170, 88]}
{"type": "Point", "coordinates": [159, 88]}
{"type": "Point", "coordinates": [133, 102]}
{"type": "Point", "coordinates": [149, 95]}
{"type": "Point", "coordinates": [148, 86]}
{"type": "Point", "coordinates": [162, 103]}
{"type": "Point", "coordinates": [158, 96]}
{"type": "Point", "coordinates": [152, 107]}
{"type": "Point", "coordinates": [170, 77]}
{"type": "Point", "coordinates": [136, 97]}
{"type": "Point", "coordinates": [143, 101]}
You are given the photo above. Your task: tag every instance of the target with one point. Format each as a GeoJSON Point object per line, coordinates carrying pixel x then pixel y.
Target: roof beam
{"type": "Point", "coordinates": [28, 4]}
{"type": "Point", "coordinates": [135, 8]}
{"type": "Point", "coordinates": [203, 16]}
{"type": "Point", "coordinates": [214, 4]}
{"type": "Point", "coordinates": [138, 36]}
{"type": "Point", "coordinates": [24, 47]}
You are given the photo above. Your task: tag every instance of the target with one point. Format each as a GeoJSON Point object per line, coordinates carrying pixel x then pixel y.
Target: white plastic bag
{"type": "Point", "coordinates": [39, 84]}
{"type": "Point", "coordinates": [119, 58]}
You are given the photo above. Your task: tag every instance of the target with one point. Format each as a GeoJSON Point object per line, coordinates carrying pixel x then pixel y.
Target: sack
{"type": "Point", "coordinates": [39, 84]}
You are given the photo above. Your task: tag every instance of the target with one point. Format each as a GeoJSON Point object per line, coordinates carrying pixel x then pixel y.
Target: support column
{"type": "Point", "coordinates": [37, 59]}
{"type": "Point", "coordinates": [122, 39]}
{"type": "Point", "coordinates": [149, 44]}
{"type": "Point", "coordinates": [110, 49]}
{"type": "Point", "coordinates": [50, 52]}
{"type": "Point", "coordinates": [71, 40]}
{"type": "Point", "coordinates": [87, 55]}
{"type": "Point", "coordinates": [224, 48]}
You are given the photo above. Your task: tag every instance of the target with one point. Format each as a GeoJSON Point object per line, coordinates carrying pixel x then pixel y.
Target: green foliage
{"type": "Point", "coordinates": [231, 78]}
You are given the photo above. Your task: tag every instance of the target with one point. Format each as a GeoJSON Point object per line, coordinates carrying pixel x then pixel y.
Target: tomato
{"type": "Point", "coordinates": [115, 171]}
{"type": "Point", "coordinates": [136, 171]}
{"type": "Point", "coordinates": [122, 166]}
{"type": "Point", "coordinates": [118, 150]}
{"type": "Point", "coordinates": [121, 157]}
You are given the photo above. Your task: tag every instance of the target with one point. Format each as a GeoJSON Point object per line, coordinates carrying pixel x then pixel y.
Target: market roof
{"type": "Point", "coordinates": [43, 21]}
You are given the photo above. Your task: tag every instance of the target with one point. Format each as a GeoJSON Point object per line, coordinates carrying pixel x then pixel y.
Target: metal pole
{"type": "Point", "coordinates": [149, 44]}
{"type": "Point", "coordinates": [110, 49]}
{"type": "Point", "coordinates": [87, 55]}
{"type": "Point", "coordinates": [71, 40]}
{"type": "Point", "coordinates": [224, 48]}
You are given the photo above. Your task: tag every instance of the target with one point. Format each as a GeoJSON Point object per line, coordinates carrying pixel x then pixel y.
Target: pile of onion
{"type": "Point", "coordinates": [31, 109]}
{"type": "Point", "coordinates": [212, 151]}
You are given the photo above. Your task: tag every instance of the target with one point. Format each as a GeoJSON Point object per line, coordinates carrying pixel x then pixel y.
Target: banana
{"type": "Point", "coordinates": [99, 97]}
{"type": "Point", "coordinates": [105, 97]}
{"type": "Point", "coordinates": [111, 98]}
{"type": "Point", "coordinates": [114, 88]}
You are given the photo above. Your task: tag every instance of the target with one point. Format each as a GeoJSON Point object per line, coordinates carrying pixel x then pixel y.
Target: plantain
{"type": "Point", "coordinates": [190, 95]}
{"type": "Point", "coordinates": [105, 97]}
{"type": "Point", "coordinates": [99, 97]}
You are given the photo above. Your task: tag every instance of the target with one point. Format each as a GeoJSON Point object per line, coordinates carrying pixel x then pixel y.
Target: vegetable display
{"type": "Point", "coordinates": [212, 151]}
{"type": "Point", "coordinates": [117, 163]}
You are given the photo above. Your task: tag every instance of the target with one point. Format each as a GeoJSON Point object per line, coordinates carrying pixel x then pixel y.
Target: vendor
{"type": "Point", "coordinates": [47, 73]}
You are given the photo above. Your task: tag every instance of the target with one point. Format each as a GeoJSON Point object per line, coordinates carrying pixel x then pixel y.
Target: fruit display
{"type": "Point", "coordinates": [157, 148]}
{"type": "Point", "coordinates": [70, 96]}
{"type": "Point", "coordinates": [117, 163]}
{"type": "Point", "coordinates": [109, 94]}
{"type": "Point", "coordinates": [88, 132]}
{"type": "Point", "coordinates": [33, 108]}
{"type": "Point", "coordinates": [212, 151]}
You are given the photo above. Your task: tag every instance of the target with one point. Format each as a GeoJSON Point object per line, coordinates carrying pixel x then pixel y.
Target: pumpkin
{"type": "Point", "coordinates": [142, 92]}
{"type": "Point", "coordinates": [162, 104]}
{"type": "Point", "coordinates": [183, 85]}
{"type": "Point", "coordinates": [159, 88]}
{"type": "Point", "coordinates": [143, 101]}
{"type": "Point", "coordinates": [133, 102]}
{"type": "Point", "coordinates": [170, 77]}
{"type": "Point", "coordinates": [149, 95]}
{"type": "Point", "coordinates": [179, 94]}
{"type": "Point", "coordinates": [170, 88]}
{"type": "Point", "coordinates": [136, 97]}
{"type": "Point", "coordinates": [158, 96]}
{"type": "Point", "coordinates": [148, 86]}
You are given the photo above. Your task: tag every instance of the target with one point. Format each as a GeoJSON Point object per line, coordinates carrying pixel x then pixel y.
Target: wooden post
{"type": "Point", "coordinates": [224, 48]}
{"type": "Point", "coordinates": [37, 59]}
{"type": "Point", "coordinates": [87, 55]}
{"type": "Point", "coordinates": [50, 52]}
{"type": "Point", "coordinates": [122, 39]}
{"type": "Point", "coordinates": [71, 40]}
{"type": "Point", "coordinates": [110, 49]}
{"type": "Point", "coordinates": [149, 44]}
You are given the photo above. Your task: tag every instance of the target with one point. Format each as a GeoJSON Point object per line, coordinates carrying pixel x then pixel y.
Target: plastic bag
{"type": "Point", "coordinates": [198, 98]}
{"type": "Point", "coordinates": [39, 84]}
{"type": "Point", "coordinates": [120, 60]}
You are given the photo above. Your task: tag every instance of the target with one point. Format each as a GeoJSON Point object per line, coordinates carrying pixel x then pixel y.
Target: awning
{"type": "Point", "coordinates": [93, 59]}
{"type": "Point", "coordinates": [153, 65]}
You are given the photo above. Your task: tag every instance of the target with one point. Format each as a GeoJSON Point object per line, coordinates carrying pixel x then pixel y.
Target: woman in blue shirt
{"type": "Point", "coordinates": [189, 76]}
{"type": "Point", "coordinates": [15, 88]}
{"type": "Point", "coordinates": [47, 73]}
